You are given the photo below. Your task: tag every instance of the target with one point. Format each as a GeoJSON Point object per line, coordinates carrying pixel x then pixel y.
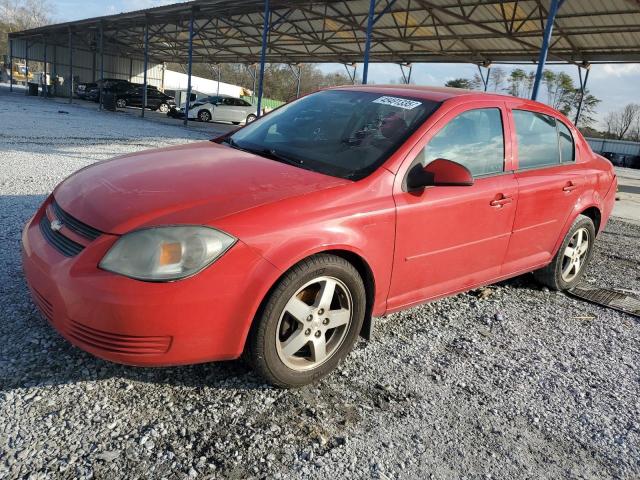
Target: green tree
{"type": "Point", "coordinates": [459, 83]}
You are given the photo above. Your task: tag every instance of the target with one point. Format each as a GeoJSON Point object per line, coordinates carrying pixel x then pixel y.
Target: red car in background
{"type": "Point", "coordinates": [283, 239]}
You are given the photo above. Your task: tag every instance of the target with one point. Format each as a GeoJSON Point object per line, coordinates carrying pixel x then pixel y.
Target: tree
{"type": "Point", "coordinates": [459, 83]}
{"type": "Point", "coordinates": [620, 122]}
{"type": "Point", "coordinates": [497, 78]}
{"type": "Point", "coordinates": [517, 83]}
{"type": "Point", "coordinates": [588, 110]}
{"type": "Point", "coordinates": [16, 15]}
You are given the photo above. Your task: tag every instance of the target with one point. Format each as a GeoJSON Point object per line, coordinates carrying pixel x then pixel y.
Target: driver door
{"type": "Point", "coordinates": [451, 238]}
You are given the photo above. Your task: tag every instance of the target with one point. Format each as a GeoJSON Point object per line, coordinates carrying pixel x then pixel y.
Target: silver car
{"type": "Point", "coordinates": [221, 108]}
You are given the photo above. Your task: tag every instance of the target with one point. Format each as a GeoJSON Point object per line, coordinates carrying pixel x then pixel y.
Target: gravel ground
{"type": "Point", "coordinates": [512, 381]}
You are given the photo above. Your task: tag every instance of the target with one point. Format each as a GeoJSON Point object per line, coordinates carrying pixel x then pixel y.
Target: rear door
{"type": "Point", "coordinates": [451, 238]}
{"type": "Point", "coordinates": [549, 184]}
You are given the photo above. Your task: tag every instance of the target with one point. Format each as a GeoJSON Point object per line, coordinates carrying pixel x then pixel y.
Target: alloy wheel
{"type": "Point", "coordinates": [575, 254]}
{"type": "Point", "coordinates": [121, 103]}
{"type": "Point", "coordinates": [314, 323]}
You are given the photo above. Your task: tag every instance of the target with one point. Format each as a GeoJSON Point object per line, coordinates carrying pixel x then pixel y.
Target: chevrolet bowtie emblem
{"type": "Point", "coordinates": [56, 225]}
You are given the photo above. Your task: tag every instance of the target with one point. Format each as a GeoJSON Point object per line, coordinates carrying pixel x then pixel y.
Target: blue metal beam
{"type": "Point", "coordinates": [583, 86]}
{"type": "Point", "coordinates": [189, 70]}
{"type": "Point", "coordinates": [146, 67]}
{"type": "Point", "coordinates": [45, 86]}
{"type": "Point", "coordinates": [11, 65]}
{"type": "Point", "coordinates": [101, 65]}
{"type": "Point", "coordinates": [367, 45]}
{"type": "Point", "coordinates": [263, 53]}
{"type": "Point", "coordinates": [542, 58]}
{"type": "Point", "coordinates": [70, 66]}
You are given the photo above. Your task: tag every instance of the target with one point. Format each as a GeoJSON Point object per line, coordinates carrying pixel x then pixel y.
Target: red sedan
{"type": "Point", "coordinates": [283, 239]}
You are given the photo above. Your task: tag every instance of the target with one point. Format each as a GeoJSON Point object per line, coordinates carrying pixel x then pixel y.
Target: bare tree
{"type": "Point", "coordinates": [620, 122]}
{"type": "Point", "coordinates": [16, 15]}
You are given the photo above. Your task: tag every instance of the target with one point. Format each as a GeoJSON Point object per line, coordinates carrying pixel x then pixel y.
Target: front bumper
{"type": "Point", "coordinates": [198, 319]}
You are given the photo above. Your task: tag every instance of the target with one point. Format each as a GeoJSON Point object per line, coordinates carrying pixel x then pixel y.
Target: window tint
{"type": "Point", "coordinates": [537, 139]}
{"type": "Point", "coordinates": [473, 139]}
{"type": "Point", "coordinates": [244, 103]}
{"type": "Point", "coordinates": [566, 143]}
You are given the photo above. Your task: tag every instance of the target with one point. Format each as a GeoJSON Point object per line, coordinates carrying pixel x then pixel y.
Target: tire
{"type": "Point", "coordinates": [568, 266]}
{"type": "Point", "coordinates": [250, 118]}
{"type": "Point", "coordinates": [163, 108]}
{"type": "Point", "coordinates": [325, 336]}
{"type": "Point", "coordinates": [204, 116]}
{"type": "Point", "coordinates": [121, 103]}
{"type": "Point", "coordinates": [236, 123]}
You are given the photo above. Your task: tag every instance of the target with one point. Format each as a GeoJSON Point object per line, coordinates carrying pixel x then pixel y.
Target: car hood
{"type": "Point", "coordinates": [195, 183]}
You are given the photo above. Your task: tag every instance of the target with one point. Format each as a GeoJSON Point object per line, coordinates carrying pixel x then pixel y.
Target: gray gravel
{"type": "Point", "coordinates": [507, 382]}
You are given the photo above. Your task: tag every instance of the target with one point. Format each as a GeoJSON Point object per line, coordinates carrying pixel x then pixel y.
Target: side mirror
{"type": "Point", "coordinates": [440, 172]}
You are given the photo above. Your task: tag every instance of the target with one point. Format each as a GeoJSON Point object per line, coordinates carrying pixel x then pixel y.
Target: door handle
{"type": "Point", "coordinates": [500, 201]}
{"type": "Point", "coordinates": [569, 187]}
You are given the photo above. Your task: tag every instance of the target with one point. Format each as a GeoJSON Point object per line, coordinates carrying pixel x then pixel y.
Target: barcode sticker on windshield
{"type": "Point", "coordinates": [398, 102]}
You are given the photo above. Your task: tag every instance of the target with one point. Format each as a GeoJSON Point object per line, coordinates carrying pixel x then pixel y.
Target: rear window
{"type": "Point", "coordinates": [537, 139]}
{"type": "Point", "coordinates": [567, 149]}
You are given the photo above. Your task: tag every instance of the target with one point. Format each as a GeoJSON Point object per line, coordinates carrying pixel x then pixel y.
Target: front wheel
{"type": "Point", "coordinates": [204, 115]}
{"type": "Point", "coordinates": [121, 103]}
{"type": "Point", "coordinates": [309, 323]}
{"type": "Point", "coordinates": [568, 266]}
{"type": "Point", "coordinates": [250, 118]}
{"type": "Point", "coordinates": [163, 108]}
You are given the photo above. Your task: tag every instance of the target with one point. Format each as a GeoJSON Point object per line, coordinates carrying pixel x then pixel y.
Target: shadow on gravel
{"type": "Point", "coordinates": [32, 353]}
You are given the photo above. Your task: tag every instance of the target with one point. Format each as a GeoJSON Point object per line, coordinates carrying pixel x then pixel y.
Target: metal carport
{"type": "Point", "coordinates": [348, 31]}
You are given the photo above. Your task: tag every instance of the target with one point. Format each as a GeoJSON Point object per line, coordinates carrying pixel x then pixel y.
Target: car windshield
{"type": "Point", "coordinates": [341, 133]}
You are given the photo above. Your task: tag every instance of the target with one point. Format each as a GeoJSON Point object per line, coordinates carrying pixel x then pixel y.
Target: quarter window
{"type": "Point", "coordinates": [473, 139]}
{"type": "Point", "coordinates": [567, 150]}
{"type": "Point", "coordinates": [537, 139]}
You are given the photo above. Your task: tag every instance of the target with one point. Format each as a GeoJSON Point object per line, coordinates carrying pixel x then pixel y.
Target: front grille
{"type": "Point", "coordinates": [74, 224]}
{"type": "Point", "coordinates": [112, 342]}
{"type": "Point", "coordinates": [64, 245]}
{"type": "Point", "coordinates": [45, 306]}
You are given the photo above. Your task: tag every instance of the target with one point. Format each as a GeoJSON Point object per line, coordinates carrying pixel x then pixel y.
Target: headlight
{"type": "Point", "coordinates": [166, 253]}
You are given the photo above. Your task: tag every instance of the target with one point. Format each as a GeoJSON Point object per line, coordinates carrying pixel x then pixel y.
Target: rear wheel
{"type": "Point", "coordinates": [309, 323]}
{"type": "Point", "coordinates": [163, 107]}
{"type": "Point", "coordinates": [250, 118]}
{"type": "Point", "coordinates": [568, 266]}
{"type": "Point", "coordinates": [121, 103]}
{"type": "Point", "coordinates": [204, 116]}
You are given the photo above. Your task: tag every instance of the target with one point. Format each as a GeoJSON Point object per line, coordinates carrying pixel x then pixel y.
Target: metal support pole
{"type": "Point", "coordinates": [548, 30]}
{"type": "Point", "coordinates": [45, 86]}
{"type": "Point", "coordinates": [146, 67]}
{"type": "Point", "coordinates": [26, 62]}
{"type": "Point", "coordinates": [352, 76]}
{"type": "Point", "coordinates": [485, 78]}
{"type": "Point", "coordinates": [263, 53]}
{"type": "Point", "coordinates": [131, 69]}
{"type": "Point", "coordinates": [11, 65]}
{"type": "Point", "coordinates": [299, 79]}
{"type": "Point", "coordinates": [406, 78]}
{"type": "Point", "coordinates": [219, 78]}
{"type": "Point", "coordinates": [189, 69]}
{"type": "Point", "coordinates": [255, 78]}
{"type": "Point", "coordinates": [367, 45]}
{"type": "Point", "coordinates": [54, 70]}
{"type": "Point", "coordinates": [583, 86]}
{"type": "Point", "coordinates": [70, 67]}
{"type": "Point", "coordinates": [101, 66]}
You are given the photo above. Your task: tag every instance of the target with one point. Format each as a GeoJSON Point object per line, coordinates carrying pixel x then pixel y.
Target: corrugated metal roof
{"type": "Point", "coordinates": [334, 31]}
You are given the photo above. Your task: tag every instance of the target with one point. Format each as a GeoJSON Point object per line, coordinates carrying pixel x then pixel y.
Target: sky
{"type": "Point", "coordinates": [615, 84]}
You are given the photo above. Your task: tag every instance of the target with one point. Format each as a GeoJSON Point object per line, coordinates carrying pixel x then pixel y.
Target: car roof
{"type": "Point", "coordinates": [436, 94]}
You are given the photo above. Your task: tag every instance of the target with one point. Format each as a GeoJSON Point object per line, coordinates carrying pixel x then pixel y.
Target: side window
{"type": "Point", "coordinates": [244, 103]}
{"type": "Point", "coordinates": [567, 149]}
{"type": "Point", "coordinates": [537, 139]}
{"type": "Point", "coordinates": [474, 139]}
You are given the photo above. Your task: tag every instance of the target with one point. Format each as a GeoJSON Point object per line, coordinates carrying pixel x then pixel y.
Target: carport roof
{"type": "Point", "coordinates": [334, 31]}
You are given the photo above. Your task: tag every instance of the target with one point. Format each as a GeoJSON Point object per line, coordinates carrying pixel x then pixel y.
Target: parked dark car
{"type": "Point", "coordinates": [91, 90]}
{"type": "Point", "coordinates": [156, 100]}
